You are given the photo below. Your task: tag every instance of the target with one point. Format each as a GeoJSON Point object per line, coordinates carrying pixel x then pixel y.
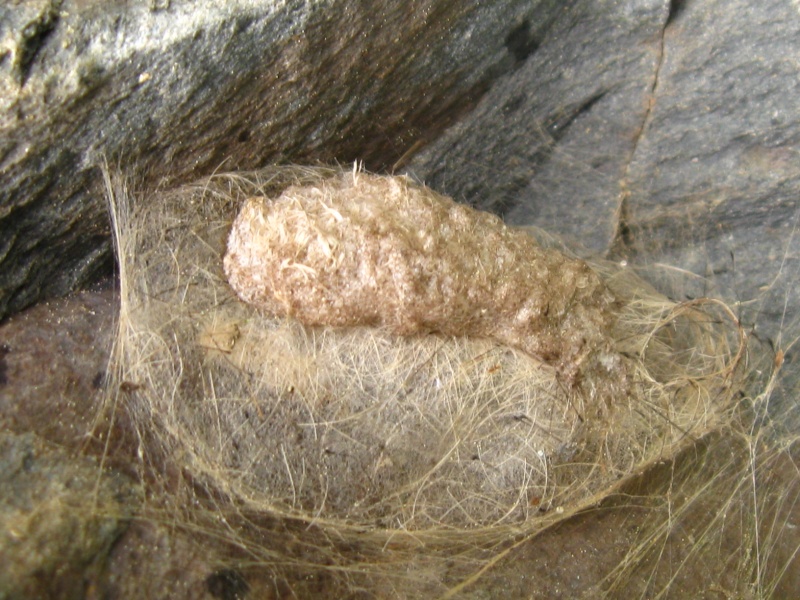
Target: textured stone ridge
{"type": "Point", "coordinates": [361, 249]}
{"type": "Point", "coordinates": [170, 90]}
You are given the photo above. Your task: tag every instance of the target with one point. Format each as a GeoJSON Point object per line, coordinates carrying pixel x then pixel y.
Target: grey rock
{"type": "Point", "coordinates": [49, 541]}
{"type": "Point", "coordinates": [652, 132]}
{"type": "Point", "coordinates": [152, 560]}
{"type": "Point", "coordinates": [61, 505]}
{"type": "Point", "coordinates": [550, 142]}
{"type": "Point", "coordinates": [171, 90]}
{"type": "Point", "coordinates": [715, 181]}
{"type": "Point", "coordinates": [53, 362]}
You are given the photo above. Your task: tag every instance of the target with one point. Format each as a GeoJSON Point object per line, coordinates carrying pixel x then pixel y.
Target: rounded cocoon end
{"type": "Point", "coordinates": [360, 249]}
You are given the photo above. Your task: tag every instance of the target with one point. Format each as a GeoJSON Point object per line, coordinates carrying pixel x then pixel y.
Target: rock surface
{"type": "Point", "coordinates": [170, 90]}
{"type": "Point", "coordinates": [53, 361]}
{"type": "Point", "coordinates": [550, 143]}
{"type": "Point", "coordinates": [656, 131]}
{"type": "Point", "coordinates": [49, 541]}
{"type": "Point", "coordinates": [53, 435]}
{"type": "Point", "coordinates": [714, 184]}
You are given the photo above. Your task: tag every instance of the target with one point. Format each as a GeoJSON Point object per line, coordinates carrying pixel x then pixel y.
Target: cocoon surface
{"type": "Point", "coordinates": [360, 249]}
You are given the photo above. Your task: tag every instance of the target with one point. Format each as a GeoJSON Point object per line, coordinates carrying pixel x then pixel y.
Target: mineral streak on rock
{"type": "Point", "coordinates": [361, 249]}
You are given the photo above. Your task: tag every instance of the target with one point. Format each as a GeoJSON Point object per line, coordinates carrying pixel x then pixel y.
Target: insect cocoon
{"type": "Point", "coordinates": [313, 423]}
{"type": "Point", "coordinates": [361, 249]}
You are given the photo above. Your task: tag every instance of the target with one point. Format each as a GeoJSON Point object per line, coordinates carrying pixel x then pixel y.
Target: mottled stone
{"type": "Point", "coordinates": [59, 515]}
{"type": "Point", "coordinates": [53, 361]}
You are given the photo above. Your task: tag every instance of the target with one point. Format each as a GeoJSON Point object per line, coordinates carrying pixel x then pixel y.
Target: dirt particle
{"type": "Point", "coordinates": [99, 380]}
{"type": "Point", "coordinates": [227, 584]}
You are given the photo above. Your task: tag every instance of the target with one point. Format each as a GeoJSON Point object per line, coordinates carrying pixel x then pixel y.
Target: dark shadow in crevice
{"type": "Point", "coordinates": [676, 8]}
{"type": "Point", "coordinates": [558, 124]}
{"type": "Point", "coordinates": [521, 42]}
{"type": "Point", "coordinates": [34, 37]}
{"type": "Point", "coordinates": [553, 129]}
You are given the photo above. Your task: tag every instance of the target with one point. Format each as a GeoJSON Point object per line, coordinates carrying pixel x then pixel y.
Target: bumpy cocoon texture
{"type": "Point", "coordinates": [359, 249]}
{"type": "Point", "coordinates": [381, 449]}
